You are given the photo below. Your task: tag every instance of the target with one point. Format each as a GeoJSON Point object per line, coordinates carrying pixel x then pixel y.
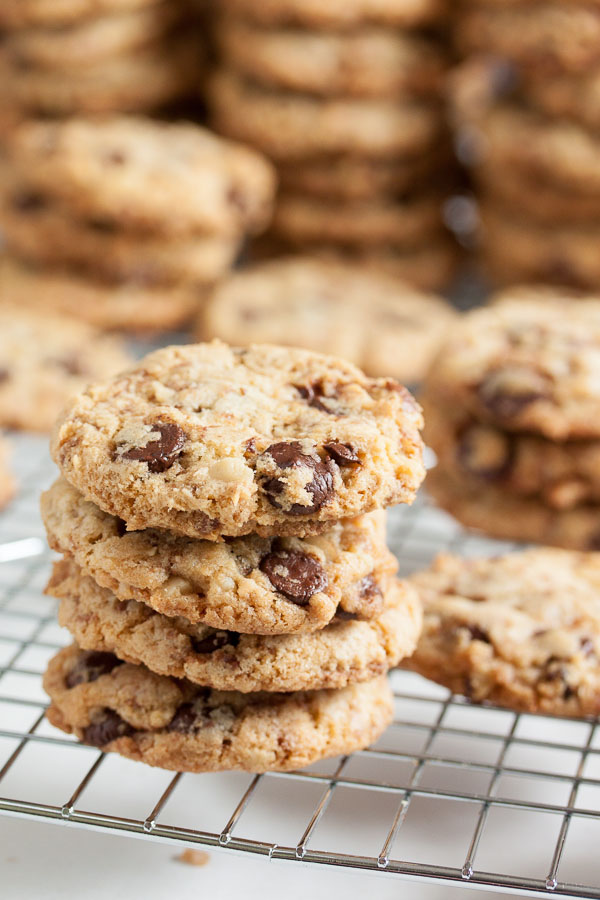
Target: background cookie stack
{"type": "Point", "coordinates": [249, 619]}
{"type": "Point", "coordinates": [86, 57]}
{"type": "Point", "coordinates": [528, 109]}
{"type": "Point", "coordinates": [345, 97]}
{"type": "Point", "coordinates": [512, 406]}
{"type": "Point", "coordinates": [124, 221]}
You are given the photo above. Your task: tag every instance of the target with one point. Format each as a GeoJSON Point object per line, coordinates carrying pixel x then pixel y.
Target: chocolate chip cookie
{"type": "Point", "coordinates": [250, 584]}
{"type": "Point", "coordinates": [521, 631]}
{"type": "Point", "coordinates": [347, 651]}
{"type": "Point", "coordinates": [369, 318]}
{"type": "Point", "coordinates": [212, 441]}
{"type": "Point", "coordinates": [175, 724]}
{"type": "Point", "coordinates": [338, 14]}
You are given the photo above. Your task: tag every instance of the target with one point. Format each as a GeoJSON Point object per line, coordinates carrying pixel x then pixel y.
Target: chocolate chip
{"type": "Point", "coordinates": [161, 453]}
{"type": "Point", "coordinates": [368, 588]}
{"type": "Point", "coordinates": [505, 393]}
{"type": "Point", "coordinates": [342, 454]}
{"type": "Point", "coordinates": [288, 455]}
{"type": "Point", "coordinates": [485, 452]}
{"type": "Point", "coordinates": [190, 717]}
{"type": "Point", "coordinates": [295, 575]}
{"type": "Point", "coordinates": [314, 394]}
{"type": "Point", "coordinates": [90, 666]}
{"type": "Point", "coordinates": [215, 641]}
{"type": "Point", "coordinates": [28, 201]}
{"type": "Point", "coordinates": [110, 727]}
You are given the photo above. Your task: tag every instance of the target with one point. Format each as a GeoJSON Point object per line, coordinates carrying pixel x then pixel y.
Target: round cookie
{"type": "Point", "coordinates": [521, 630]}
{"type": "Point", "coordinates": [250, 584]}
{"type": "Point", "coordinates": [375, 321]}
{"type": "Point", "coordinates": [525, 364]}
{"type": "Point", "coordinates": [43, 235]}
{"type": "Point", "coordinates": [22, 13]}
{"type": "Point", "coordinates": [177, 725]}
{"type": "Point", "coordinates": [91, 41]}
{"type": "Point", "coordinates": [344, 652]}
{"type": "Point", "coordinates": [45, 360]}
{"type": "Point", "coordinates": [136, 173]}
{"type": "Point", "coordinates": [288, 125]}
{"type": "Point", "coordinates": [121, 307]}
{"type": "Point", "coordinates": [510, 517]}
{"type": "Point", "coordinates": [338, 14]}
{"type": "Point", "coordinates": [548, 37]}
{"type": "Point", "coordinates": [404, 221]}
{"type": "Point", "coordinates": [375, 62]}
{"type": "Point", "coordinates": [211, 441]}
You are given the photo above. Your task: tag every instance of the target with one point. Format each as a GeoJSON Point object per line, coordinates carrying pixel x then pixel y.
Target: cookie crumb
{"type": "Point", "coordinates": [193, 857]}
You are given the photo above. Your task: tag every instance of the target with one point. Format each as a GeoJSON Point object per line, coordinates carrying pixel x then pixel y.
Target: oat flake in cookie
{"type": "Point", "coordinates": [178, 725]}
{"type": "Point", "coordinates": [521, 630]}
{"type": "Point", "coordinates": [210, 441]}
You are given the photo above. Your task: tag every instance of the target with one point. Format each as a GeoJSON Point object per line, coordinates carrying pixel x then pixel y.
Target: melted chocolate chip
{"type": "Point", "coordinates": [215, 641]}
{"type": "Point", "coordinates": [505, 398]}
{"type": "Point", "coordinates": [342, 454]}
{"type": "Point", "coordinates": [288, 455]}
{"type": "Point", "coordinates": [90, 666]}
{"type": "Point", "coordinates": [368, 588]}
{"type": "Point", "coordinates": [314, 394]}
{"type": "Point", "coordinates": [295, 575]}
{"type": "Point", "coordinates": [161, 453]}
{"type": "Point", "coordinates": [110, 727]}
{"type": "Point", "coordinates": [190, 717]}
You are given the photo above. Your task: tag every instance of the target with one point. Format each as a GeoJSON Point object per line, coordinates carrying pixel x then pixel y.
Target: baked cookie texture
{"type": "Point", "coordinates": [347, 651]}
{"type": "Point", "coordinates": [210, 441]}
{"type": "Point", "coordinates": [520, 630]}
{"type": "Point", "coordinates": [22, 13]}
{"type": "Point", "coordinates": [249, 584]}
{"type": "Point", "coordinates": [337, 13]}
{"type": "Point", "coordinates": [175, 724]}
{"type": "Point", "coordinates": [372, 319]}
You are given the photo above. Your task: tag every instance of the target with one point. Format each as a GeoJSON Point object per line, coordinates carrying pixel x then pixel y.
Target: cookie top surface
{"type": "Point", "coordinates": [250, 584]}
{"type": "Point", "coordinates": [521, 630]}
{"type": "Point", "coordinates": [338, 13]}
{"type": "Point", "coordinates": [131, 171]}
{"type": "Point", "coordinates": [45, 360]}
{"type": "Point", "coordinates": [374, 320]}
{"type": "Point", "coordinates": [345, 652]}
{"type": "Point", "coordinates": [526, 363]}
{"type": "Point", "coordinates": [22, 13]}
{"type": "Point", "coordinates": [175, 724]}
{"type": "Point", "coordinates": [212, 441]}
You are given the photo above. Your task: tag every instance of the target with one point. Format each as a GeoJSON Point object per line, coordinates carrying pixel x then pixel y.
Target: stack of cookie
{"type": "Point", "coordinates": [345, 98]}
{"type": "Point", "coordinates": [528, 107]}
{"type": "Point", "coordinates": [224, 571]}
{"type": "Point", "coordinates": [512, 404]}
{"type": "Point", "coordinates": [84, 57]}
{"type": "Point", "coordinates": [125, 222]}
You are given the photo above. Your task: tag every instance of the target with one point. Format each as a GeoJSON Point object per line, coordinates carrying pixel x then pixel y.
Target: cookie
{"type": "Point", "coordinates": [250, 584]}
{"type": "Point", "coordinates": [567, 96]}
{"type": "Point", "coordinates": [373, 62]}
{"type": "Point", "coordinates": [296, 126]}
{"type": "Point", "coordinates": [132, 83]}
{"type": "Point", "coordinates": [515, 250]}
{"type": "Point", "coordinates": [561, 474]}
{"type": "Point", "coordinates": [369, 318]}
{"type": "Point", "coordinates": [44, 360]}
{"type": "Point", "coordinates": [525, 364]}
{"type": "Point", "coordinates": [211, 441]}
{"type": "Point", "coordinates": [345, 652]}
{"type": "Point", "coordinates": [338, 14]}
{"type": "Point", "coordinates": [550, 37]}
{"type": "Point", "coordinates": [91, 41]}
{"type": "Point", "coordinates": [521, 630]}
{"type": "Point", "coordinates": [404, 221]}
{"type": "Point", "coordinates": [510, 517]}
{"type": "Point", "coordinates": [120, 307]}
{"type": "Point", "coordinates": [43, 235]}
{"type": "Point", "coordinates": [21, 13]}
{"type": "Point", "coordinates": [137, 173]}
{"type": "Point", "coordinates": [8, 485]}
{"type": "Point", "coordinates": [177, 725]}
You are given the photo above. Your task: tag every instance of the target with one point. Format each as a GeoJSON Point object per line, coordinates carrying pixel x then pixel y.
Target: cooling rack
{"type": "Point", "coordinates": [451, 793]}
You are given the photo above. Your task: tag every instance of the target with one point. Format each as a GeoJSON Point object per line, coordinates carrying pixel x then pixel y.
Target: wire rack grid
{"type": "Point", "coordinates": [452, 792]}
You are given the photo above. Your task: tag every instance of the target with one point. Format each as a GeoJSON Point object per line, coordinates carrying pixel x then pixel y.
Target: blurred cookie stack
{"type": "Point", "coordinates": [225, 571]}
{"type": "Point", "coordinates": [527, 103]}
{"type": "Point", "coordinates": [345, 97]}
{"type": "Point", "coordinates": [512, 410]}
{"type": "Point", "coordinates": [125, 221]}
{"type": "Point", "coordinates": [84, 57]}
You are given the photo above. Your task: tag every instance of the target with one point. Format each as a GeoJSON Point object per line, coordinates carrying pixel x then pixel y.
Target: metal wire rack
{"type": "Point", "coordinates": [453, 793]}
